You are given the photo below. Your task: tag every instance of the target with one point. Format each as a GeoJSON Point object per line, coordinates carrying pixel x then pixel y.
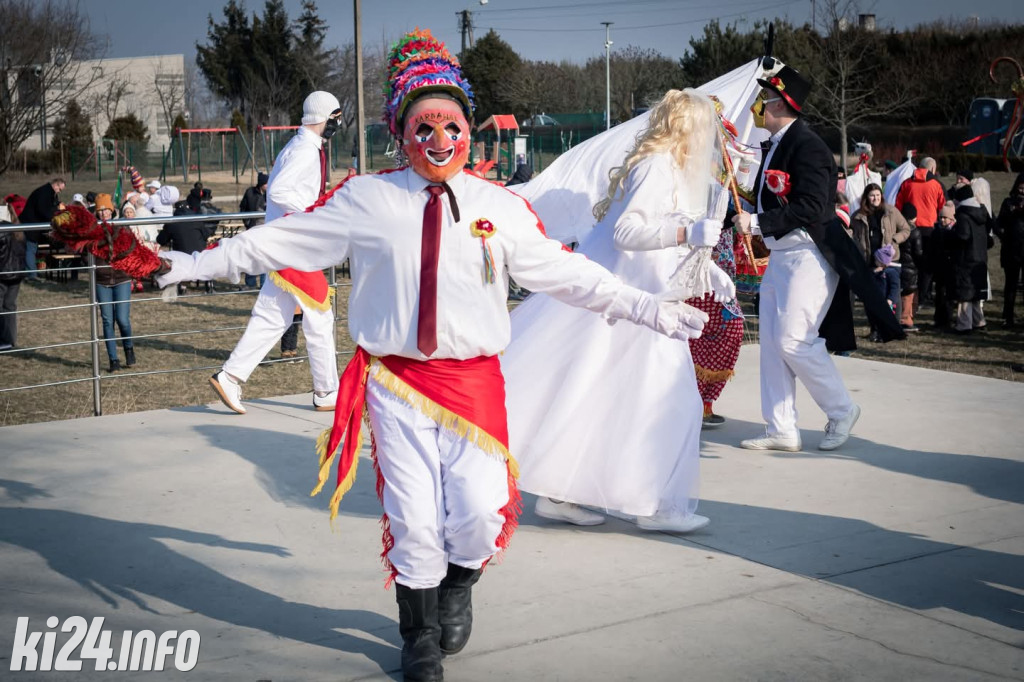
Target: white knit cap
{"type": "Point", "coordinates": [318, 106]}
{"type": "Point", "coordinates": [155, 184]}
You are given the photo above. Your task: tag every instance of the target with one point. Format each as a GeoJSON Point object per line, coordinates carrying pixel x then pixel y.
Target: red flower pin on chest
{"type": "Point", "coordinates": [485, 229]}
{"type": "Point", "coordinates": [778, 183]}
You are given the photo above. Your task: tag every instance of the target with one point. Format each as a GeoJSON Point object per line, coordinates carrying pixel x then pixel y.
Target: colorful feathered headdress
{"type": "Point", "coordinates": [420, 63]}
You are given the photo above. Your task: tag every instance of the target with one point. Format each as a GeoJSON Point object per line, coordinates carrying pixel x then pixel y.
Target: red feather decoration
{"type": "Point", "coordinates": [118, 245]}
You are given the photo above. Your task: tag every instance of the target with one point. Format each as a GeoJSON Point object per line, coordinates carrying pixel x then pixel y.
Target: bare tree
{"type": "Point", "coordinates": [847, 71]}
{"type": "Point", "coordinates": [169, 87]}
{"type": "Point", "coordinates": [42, 45]}
{"type": "Point", "coordinates": [109, 92]}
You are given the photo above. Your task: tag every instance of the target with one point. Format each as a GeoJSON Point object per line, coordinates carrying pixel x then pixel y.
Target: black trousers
{"type": "Point", "coordinates": [9, 304]}
{"type": "Point", "coordinates": [290, 338]}
{"type": "Point", "coordinates": [1013, 280]}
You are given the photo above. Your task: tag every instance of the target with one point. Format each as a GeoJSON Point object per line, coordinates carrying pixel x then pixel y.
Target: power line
{"type": "Point", "coordinates": [605, 13]}
{"type": "Point", "coordinates": [628, 28]}
{"type": "Point", "coordinates": [674, 3]}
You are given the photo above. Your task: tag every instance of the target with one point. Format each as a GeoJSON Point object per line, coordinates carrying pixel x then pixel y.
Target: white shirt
{"type": "Point", "coordinates": [376, 222]}
{"type": "Point", "coordinates": [795, 237]}
{"type": "Point", "coordinates": [295, 181]}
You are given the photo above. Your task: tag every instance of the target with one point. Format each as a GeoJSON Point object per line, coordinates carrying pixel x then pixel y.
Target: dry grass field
{"type": "Point", "coordinates": [195, 356]}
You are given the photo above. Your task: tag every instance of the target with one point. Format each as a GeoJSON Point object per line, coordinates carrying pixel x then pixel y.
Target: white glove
{"type": "Point", "coordinates": [722, 286]}
{"type": "Point", "coordinates": [667, 314]}
{"type": "Point", "coordinates": [181, 265]}
{"type": "Point", "coordinates": [704, 232]}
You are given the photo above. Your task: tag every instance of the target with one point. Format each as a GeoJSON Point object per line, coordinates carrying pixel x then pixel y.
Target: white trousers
{"type": "Point", "coordinates": [442, 494]}
{"type": "Point", "coordinates": [271, 316]}
{"type": "Point", "coordinates": [796, 292]}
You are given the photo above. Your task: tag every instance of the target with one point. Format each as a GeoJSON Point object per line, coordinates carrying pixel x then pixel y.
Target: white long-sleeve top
{"type": "Point", "coordinates": [376, 222]}
{"type": "Point", "coordinates": [295, 181]}
{"type": "Point", "coordinates": [649, 214]}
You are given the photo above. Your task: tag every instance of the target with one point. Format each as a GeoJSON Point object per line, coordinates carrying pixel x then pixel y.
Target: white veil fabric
{"type": "Point", "coordinates": [601, 415]}
{"type": "Point", "coordinates": [897, 177]}
{"type": "Point", "coordinates": [564, 194]}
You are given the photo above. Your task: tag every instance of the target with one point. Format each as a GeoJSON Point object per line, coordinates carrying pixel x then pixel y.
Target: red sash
{"type": "Point", "coordinates": [310, 287]}
{"type": "Point", "coordinates": [464, 396]}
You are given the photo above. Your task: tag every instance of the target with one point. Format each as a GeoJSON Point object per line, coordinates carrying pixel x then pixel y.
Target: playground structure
{"type": "Point", "coordinates": [234, 153]}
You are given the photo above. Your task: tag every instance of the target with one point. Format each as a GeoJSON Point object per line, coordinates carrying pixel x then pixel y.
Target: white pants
{"type": "Point", "coordinates": [442, 494]}
{"type": "Point", "coordinates": [796, 292]}
{"type": "Point", "coordinates": [271, 316]}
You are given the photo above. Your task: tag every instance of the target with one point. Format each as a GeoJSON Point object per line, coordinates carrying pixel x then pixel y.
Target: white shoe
{"type": "Point", "coordinates": [673, 522]}
{"type": "Point", "coordinates": [566, 511]}
{"type": "Point", "coordinates": [229, 392]}
{"type": "Point", "coordinates": [326, 403]}
{"type": "Point", "coordinates": [770, 442]}
{"type": "Point", "coordinates": [837, 431]}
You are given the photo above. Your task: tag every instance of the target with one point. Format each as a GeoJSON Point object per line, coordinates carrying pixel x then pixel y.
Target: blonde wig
{"type": "Point", "coordinates": [683, 124]}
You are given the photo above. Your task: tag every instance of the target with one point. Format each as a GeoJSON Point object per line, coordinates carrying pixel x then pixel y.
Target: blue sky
{"type": "Point", "coordinates": [537, 29]}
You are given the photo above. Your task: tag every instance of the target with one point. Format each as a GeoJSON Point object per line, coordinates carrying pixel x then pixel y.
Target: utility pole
{"type": "Point", "coordinates": [360, 116]}
{"type": "Point", "coordinates": [466, 27]}
{"type": "Point", "coordinates": [607, 75]}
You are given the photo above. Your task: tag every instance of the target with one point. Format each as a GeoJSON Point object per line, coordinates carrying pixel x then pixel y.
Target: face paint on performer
{"type": "Point", "coordinates": [436, 138]}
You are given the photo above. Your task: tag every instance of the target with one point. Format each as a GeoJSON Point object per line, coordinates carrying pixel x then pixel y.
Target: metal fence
{"type": "Point", "coordinates": [93, 308]}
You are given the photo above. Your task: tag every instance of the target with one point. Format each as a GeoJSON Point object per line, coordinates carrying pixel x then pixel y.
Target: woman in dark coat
{"type": "Point", "coordinates": [968, 251]}
{"type": "Point", "coordinates": [1010, 228]}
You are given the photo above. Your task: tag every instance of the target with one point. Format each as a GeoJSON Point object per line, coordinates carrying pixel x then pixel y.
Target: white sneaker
{"type": "Point", "coordinates": [837, 431]}
{"type": "Point", "coordinates": [229, 392]}
{"type": "Point", "coordinates": [770, 442]}
{"type": "Point", "coordinates": [566, 511]}
{"type": "Point", "coordinates": [673, 522]}
{"type": "Point", "coordinates": [326, 403]}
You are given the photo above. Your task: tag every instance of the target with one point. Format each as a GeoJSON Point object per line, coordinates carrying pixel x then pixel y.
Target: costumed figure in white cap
{"type": "Point", "coordinates": [431, 248]}
{"type": "Point", "coordinates": [296, 181]}
{"type": "Point", "coordinates": [811, 256]}
{"type": "Point", "coordinates": [610, 416]}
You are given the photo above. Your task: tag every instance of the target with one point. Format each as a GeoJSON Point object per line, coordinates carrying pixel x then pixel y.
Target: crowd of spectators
{"type": "Point", "coordinates": [22, 252]}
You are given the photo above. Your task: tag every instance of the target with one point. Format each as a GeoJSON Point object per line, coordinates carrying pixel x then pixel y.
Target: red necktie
{"type": "Point", "coordinates": [430, 249]}
{"type": "Point", "coordinates": [323, 172]}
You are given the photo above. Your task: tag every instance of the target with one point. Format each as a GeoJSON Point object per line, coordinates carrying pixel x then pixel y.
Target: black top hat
{"type": "Point", "coordinates": [790, 85]}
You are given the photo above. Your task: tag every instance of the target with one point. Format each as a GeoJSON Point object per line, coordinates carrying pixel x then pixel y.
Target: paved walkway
{"type": "Point", "coordinates": [901, 557]}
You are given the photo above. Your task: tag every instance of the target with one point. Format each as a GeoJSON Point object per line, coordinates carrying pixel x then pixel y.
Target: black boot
{"type": "Point", "coordinates": [421, 634]}
{"type": "Point", "coordinates": [115, 365]}
{"type": "Point", "coordinates": [455, 607]}
{"type": "Point", "coordinates": [129, 357]}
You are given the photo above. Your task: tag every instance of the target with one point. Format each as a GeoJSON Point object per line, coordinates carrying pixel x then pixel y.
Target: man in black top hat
{"type": "Point", "coordinates": [795, 195]}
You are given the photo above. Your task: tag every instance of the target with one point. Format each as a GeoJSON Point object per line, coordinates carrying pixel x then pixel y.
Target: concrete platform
{"type": "Point", "coordinates": [900, 557]}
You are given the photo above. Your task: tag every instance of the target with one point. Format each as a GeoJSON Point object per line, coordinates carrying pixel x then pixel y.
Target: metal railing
{"type": "Point", "coordinates": [94, 307]}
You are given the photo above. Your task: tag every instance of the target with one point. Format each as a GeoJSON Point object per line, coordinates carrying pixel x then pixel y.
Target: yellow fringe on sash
{"type": "Point", "coordinates": [446, 419]}
{"type": "Point", "coordinates": [302, 295]}
{"type": "Point", "coordinates": [712, 376]}
{"type": "Point", "coordinates": [326, 460]}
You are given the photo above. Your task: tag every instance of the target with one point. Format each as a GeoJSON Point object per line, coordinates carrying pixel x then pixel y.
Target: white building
{"type": "Point", "coordinates": [152, 88]}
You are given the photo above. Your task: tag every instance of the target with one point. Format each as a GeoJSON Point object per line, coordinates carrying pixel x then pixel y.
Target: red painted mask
{"type": "Point", "coordinates": [436, 139]}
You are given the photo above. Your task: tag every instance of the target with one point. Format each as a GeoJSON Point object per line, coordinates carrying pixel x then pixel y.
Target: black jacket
{"type": "Point", "coordinates": [967, 247]}
{"type": "Point", "coordinates": [39, 208]}
{"type": "Point", "coordinates": [12, 255]}
{"type": "Point", "coordinates": [911, 261]}
{"type": "Point", "coordinates": [810, 205]}
{"type": "Point", "coordinates": [253, 200]}
{"type": "Point", "coordinates": [184, 237]}
{"type": "Point", "coordinates": [1009, 227]}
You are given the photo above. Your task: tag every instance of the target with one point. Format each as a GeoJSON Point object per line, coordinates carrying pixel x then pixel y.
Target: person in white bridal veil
{"type": "Point", "coordinates": [610, 416]}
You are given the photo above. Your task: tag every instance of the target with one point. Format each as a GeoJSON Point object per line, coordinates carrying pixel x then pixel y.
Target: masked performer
{"type": "Point", "coordinates": [795, 213]}
{"type": "Point", "coordinates": [431, 248]}
{"type": "Point", "coordinates": [609, 416]}
{"type": "Point", "coordinates": [296, 181]}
